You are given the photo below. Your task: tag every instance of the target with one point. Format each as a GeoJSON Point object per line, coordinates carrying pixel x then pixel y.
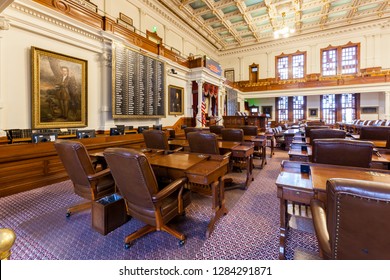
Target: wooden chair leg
{"type": "Point", "coordinates": [173, 232]}
{"type": "Point", "coordinates": [79, 207]}
{"type": "Point", "coordinates": [139, 233]}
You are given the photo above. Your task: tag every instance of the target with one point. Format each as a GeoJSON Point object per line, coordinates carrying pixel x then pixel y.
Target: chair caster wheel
{"type": "Point", "coordinates": [68, 214]}
{"type": "Point", "coordinates": [181, 243]}
{"type": "Point", "coordinates": [127, 246]}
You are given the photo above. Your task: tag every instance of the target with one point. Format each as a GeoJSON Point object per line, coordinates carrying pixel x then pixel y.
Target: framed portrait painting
{"type": "Point", "coordinates": [313, 112]}
{"type": "Point", "coordinates": [175, 100]}
{"type": "Point", "coordinates": [59, 90]}
{"type": "Point", "coordinates": [267, 110]}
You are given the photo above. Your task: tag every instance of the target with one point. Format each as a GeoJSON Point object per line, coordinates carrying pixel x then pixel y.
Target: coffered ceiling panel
{"type": "Point", "coordinates": [228, 24]}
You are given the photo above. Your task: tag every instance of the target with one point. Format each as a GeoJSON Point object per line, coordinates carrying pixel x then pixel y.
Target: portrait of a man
{"type": "Point", "coordinates": [175, 100]}
{"type": "Point", "coordinates": [59, 90]}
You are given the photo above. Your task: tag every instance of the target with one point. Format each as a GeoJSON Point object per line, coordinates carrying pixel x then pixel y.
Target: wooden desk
{"type": "Point", "coordinates": [208, 173]}
{"type": "Point", "coordinates": [289, 137]}
{"type": "Point", "coordinates": [223, 145]}
{"type": "Point", "coordinates": [296, 154]}
{"type": "Point", "coordinates": [292, 185]}
{"type": "Point", "coordinates": [244, 152]}
{"type": "Point", "coordinates": [260, 142]}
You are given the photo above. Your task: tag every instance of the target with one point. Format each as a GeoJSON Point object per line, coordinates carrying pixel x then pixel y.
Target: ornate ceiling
{"type": "Point", "coordinates": [229, 24]}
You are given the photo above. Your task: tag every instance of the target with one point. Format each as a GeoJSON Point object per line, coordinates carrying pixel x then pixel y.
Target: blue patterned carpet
{"type": "Point", "coordinates": [249, 231]}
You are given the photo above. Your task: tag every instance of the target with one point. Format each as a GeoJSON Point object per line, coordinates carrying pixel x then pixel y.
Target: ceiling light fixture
{"type": "Point", "coordinates": [285, 31]}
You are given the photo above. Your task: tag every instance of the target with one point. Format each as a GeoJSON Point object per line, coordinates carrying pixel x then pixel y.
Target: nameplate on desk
{"type": "Point", "coordinates": [305, 168]}
{"type": "Point", "coordinates": [304, 148]}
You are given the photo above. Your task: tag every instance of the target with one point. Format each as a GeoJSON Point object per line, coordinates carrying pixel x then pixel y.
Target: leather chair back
{"type": "Point", "coordinates": [251, 130]}
{"type": "Point", "coordinates": [216, 129]}
{"type": "Point", "coordinates": [326, 134]}
{"type": "Point", "coordinates": [354, 224]}
{"type": "Point", "coordinates": [191, 129]}
{"type": "Point", "coordinates": [342, 152]}
{"type": "Point", "coordinates": [156, 139]}
{"type": "Point", "coordinates": [206, 143]}
{"type": "Point", "coordinates": [233, 134]}
{"type": "Point", "coordinates": [374, 132]}
{"type": "Point", "coordinates": [309, 128]}
{"type": "Point", "coordinates": [135, 180]}
{"type": "Point", "coordinates": [78, 165]}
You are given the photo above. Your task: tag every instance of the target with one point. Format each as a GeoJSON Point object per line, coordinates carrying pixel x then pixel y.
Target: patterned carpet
{"type": "Point", "coordinates": [249, 231]}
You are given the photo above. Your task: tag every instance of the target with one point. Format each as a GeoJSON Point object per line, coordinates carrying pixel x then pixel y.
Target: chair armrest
{"type": "Point", "coordinates": [168, 190]}
{"type": "Point", "coordinates": [319, 220]}
{"type": "Point", "coordinates": [99, 175]}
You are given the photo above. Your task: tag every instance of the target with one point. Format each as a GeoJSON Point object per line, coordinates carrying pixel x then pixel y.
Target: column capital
{"type": "Point", "coordinates": [4, 23]}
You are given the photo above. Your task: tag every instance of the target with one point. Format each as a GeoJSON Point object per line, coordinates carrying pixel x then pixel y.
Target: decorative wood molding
{"type": "Point", "coordinates": [85, 15]}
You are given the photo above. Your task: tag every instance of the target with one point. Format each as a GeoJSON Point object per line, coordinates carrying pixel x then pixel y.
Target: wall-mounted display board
{"type": "Point", "coordinates": [138, 84]}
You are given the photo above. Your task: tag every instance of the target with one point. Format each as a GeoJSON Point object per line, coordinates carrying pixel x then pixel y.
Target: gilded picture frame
{"type": "Point", "coordinates": [59, 90]}
{"type": "Point", "coordinates": [175, 100]}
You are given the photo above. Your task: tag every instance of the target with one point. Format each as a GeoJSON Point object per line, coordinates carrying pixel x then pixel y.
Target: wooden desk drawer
{"type": "Point", "coordinates": [298, 195]}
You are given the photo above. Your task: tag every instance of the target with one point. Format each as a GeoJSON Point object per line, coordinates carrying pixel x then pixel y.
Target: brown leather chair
{"type": "Point", "coordinates": [250, 130]}
{"type": "Point", "coordinates": [353, 223]}
{"type": "Point", "coordinates": [87, 182]}
{"type": "Point", "coordinates": [374, 133]}
{"type": "Point", "coordinates": [155, 139]}
{"type": "Point", "coordinates": [309, 128]}
{"type": "Point", "coordinates": [326, 134]}
{"type": "Point", "coordinates": [191, 129]}
{"type": "Point", "coordinates": [216, 129]}
{"type": "Point", "coordinates": [342, 152]}
{"type": "Point", "coordinates": [138, 186]}
{"type": "Point", "coordinates": [233, 134]}
{"type": "Point", "coordinates": [205, 143]}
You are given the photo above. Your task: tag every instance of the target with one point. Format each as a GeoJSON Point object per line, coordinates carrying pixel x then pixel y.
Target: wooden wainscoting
{"type": "Point", "coordinates": [28, 166]}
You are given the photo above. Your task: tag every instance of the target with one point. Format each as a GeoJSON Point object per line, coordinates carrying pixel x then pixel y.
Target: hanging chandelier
{"type": "Point", "coordinates": [284, 31]}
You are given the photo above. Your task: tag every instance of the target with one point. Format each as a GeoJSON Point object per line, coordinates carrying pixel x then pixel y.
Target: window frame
{"type": "Point", "coordinates": [290, 64]}
{"type": "Point", "coordinates": [339, 61]}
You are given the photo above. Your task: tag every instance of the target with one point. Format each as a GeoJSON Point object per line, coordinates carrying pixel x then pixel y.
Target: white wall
{"type": "Point", "coordinates": [35, 25]}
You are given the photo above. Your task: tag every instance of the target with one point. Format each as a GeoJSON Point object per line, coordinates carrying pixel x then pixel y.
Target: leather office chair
{"type": "Point", "coordinates": [322, 133]}
{"type": "Point", "coordinates": [205, 143]}
{"type": "Point", "coordinates": [233, 134]}
{"type": "Point", "coordinates": [342, 152]}
{"type": "Point", "coordinates": [7, 239]}
{"type": "Point", "coordinates": [374, 133]}
{"type": "Point", "coordinates": [309, 128]}
{"type": "Point", "coordinates": [353, 223]}
{"type": "Point", "coordinates": [191, 129]}
{"type": "Point", "coordinates": [87, 182]}
{"type": "Point", "coordinates": [155, 139]}
{"type": "Point", "coordinates": [216, 129]}
{"type": "Point", "coordinates": [138, 186]}
{"type": "Point", "coordinates": [250, 130]}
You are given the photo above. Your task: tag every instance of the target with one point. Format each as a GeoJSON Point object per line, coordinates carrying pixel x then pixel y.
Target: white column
{"type": "Point", "coordinates": [200, 96]}
{"type": "Point", "coordinates": [387, 105]}
{"type": "Point", "coordinates": [188, 112]}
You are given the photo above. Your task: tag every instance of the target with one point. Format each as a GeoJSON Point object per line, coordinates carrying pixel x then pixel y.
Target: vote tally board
{"type": "Point", "coordinates": [138, 84]}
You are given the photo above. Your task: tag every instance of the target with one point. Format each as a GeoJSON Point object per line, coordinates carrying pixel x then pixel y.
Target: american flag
{"type": "Point", "coordinates": [203, 108]}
